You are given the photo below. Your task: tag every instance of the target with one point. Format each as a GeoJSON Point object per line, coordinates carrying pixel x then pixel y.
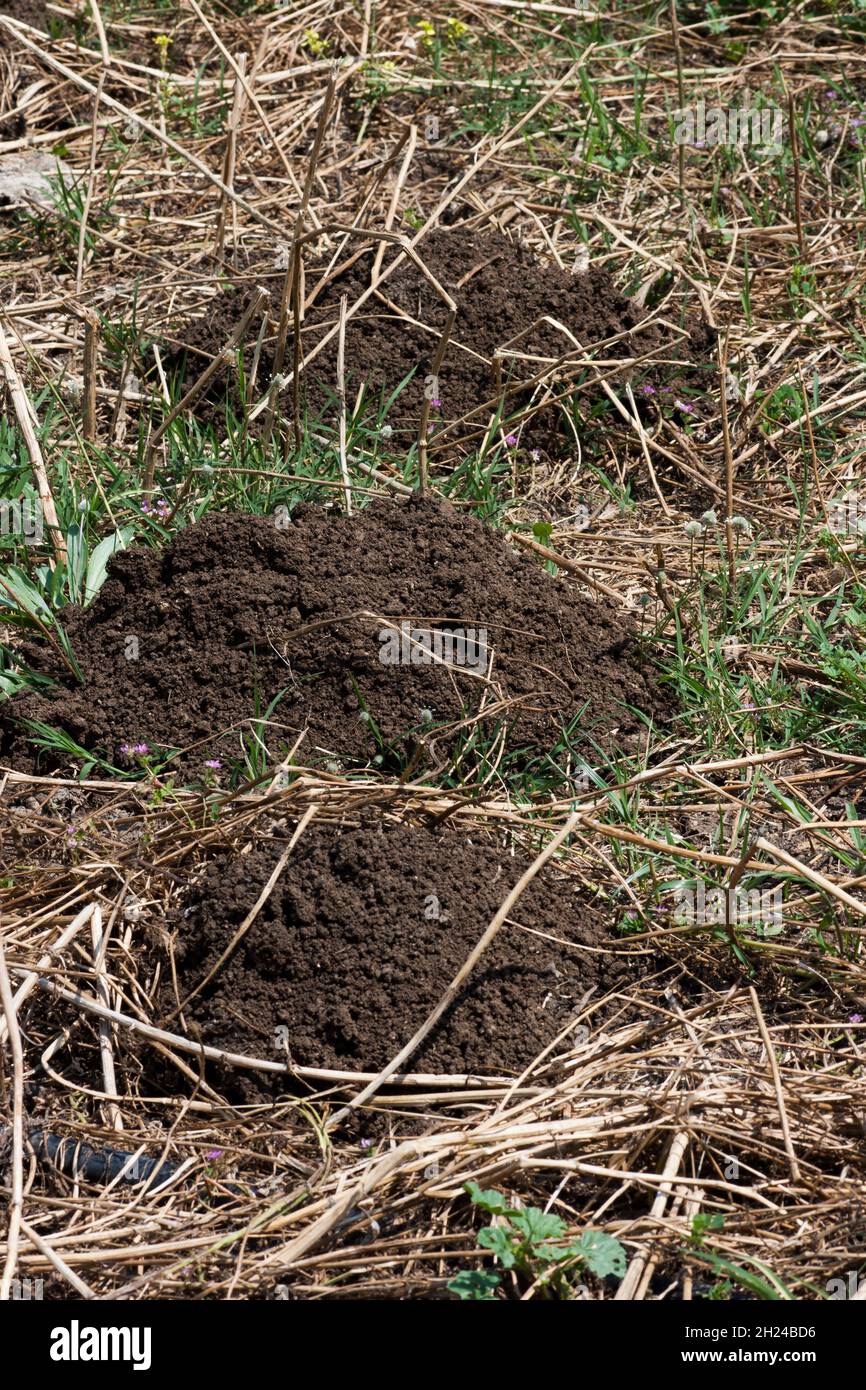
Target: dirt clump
{"type": "Point", "coordinates": [348, 629]}
{"type": "Point", "coordinates": [32, 12]}
{"type": "Point", "coordinates": [504, 295]}
{"type": "Point", "coordinates": [358, 940]}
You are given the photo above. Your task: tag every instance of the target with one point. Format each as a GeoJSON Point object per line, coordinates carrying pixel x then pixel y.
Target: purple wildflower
{"type": "Point", "coordinates": [855, 1018]}
{"type": "Point", "coordinates": [213, 763]}
{"type": "Point", "coordinates": [647, 389]}
{"type": "Point", "coordinates": [511, 439]}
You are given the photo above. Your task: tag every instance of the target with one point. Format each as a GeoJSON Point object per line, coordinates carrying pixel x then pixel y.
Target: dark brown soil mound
{"type": "Point", "coordinates": [501, 291]}
{"type": "Point", "coordinates": [358, 940]}
{"type": "Point", "coordinates": [237, 610]}
{"type": "Point", "coordinates": [31, 12]}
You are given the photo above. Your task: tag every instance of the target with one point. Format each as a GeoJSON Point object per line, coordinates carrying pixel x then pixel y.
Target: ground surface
{"type": "Point", "coordinates": [531, 310]}
{"type": "Point", "coordinates": [352, 947]}
{"type": "Point", "coordinates": [238, 614]}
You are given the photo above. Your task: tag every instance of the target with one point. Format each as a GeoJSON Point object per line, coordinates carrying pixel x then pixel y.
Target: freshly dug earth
{"type": "Point", "coordinates": [238, 611]}
{"type": "Point", "coordinates": [32, 12]}
{"type": "Point", "coordinates": [502, 292]}
{"type": "Point", "coordinates": [358, 940]}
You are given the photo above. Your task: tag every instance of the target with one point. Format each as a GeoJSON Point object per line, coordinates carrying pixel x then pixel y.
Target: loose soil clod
{"type": "Point", "coordinates": [502, 291]}
{"type": "Point", "coordinates": [358, 941]}
{"type": "Point", "coordinates": [215, 614]}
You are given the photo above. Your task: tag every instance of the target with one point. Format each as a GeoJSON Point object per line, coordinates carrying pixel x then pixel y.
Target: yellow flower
{"type": "Point", "coordinates": [455, 28]}
{"type": "Point", "coordinates": [314, 42]}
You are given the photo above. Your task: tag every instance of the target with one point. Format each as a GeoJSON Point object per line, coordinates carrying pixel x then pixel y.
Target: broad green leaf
{"type": "Point", "coordinates": [98, 564]}
{"type": "Point", "coordinates": [500, 1240]}
{"type": "Point", "coordinates": [536, 1225]}
{"type": "Point", "coordinates": [601, 1253]}
{"type": "Point", "coordinates": [489, 1199]}
{"type": "Point", "coordinates": [479, 1285]}
{"type": "Point", "coordinates": [76, 555]}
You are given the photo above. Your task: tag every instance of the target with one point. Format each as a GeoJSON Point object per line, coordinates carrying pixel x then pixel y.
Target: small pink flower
{"type": "Point", "coordinates": [511, 439]}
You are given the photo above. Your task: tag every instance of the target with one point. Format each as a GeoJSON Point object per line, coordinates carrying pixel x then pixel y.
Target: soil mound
{"type": "Point", "coordinates": [504, 294]}
{"type": "Point", "coordinates": [238, 616]}
{"type": "Point", "coordinates": [31, 12]}
{"type": "Point", "coordinates": [358, 940]}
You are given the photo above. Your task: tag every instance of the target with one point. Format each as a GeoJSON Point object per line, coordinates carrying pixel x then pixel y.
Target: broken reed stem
{"type": "Point", "coordinates": [410, 136]}
{"type": "Point", "coordinates": [100, 29]}
{"type": "Point", "coordinates": [466, 968]}
{"type": "Point", "coordinates": [225, 354]}
{"type": "Point", "coordinates": [91, 181]}
{"type": "Point", "coordinates": [777, 1084]}
{"type": "Point", "coordinates": [24, 416]}
{"type": "Point", "coordinates": [297, 320]}
{"type": "Point", "coordinates": [433, 385]}
{"type": "Point", "coordinates": [795, 159]}
{"type": "Point", "coordinates": [230, 160]}
{"type": "Point", "coordinates": [99, 940]}
{"type": "Point", "coordinates": [291, 283]}
{"type": "Point", "coordinates": [681, 94]}
{"type": "Point", "coordinates": [282, 335]}
{"type": "Point", "coordinates": [16, 1199]}
{"type": "Point", "coordinates": [91, 347]}
{"type": "Point", "coordinates": [729, 466]}
{"type": "Point", "coordinates": [341, 393]}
